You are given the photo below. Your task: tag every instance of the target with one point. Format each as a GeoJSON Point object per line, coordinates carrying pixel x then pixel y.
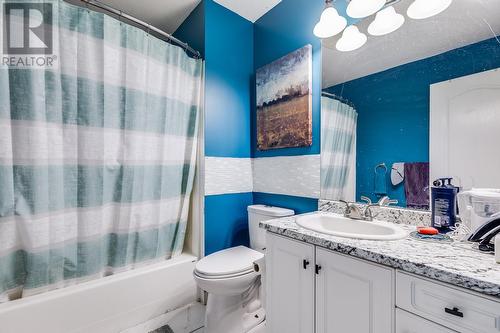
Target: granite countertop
{"type": "Point", "coordinates": [454, 263]}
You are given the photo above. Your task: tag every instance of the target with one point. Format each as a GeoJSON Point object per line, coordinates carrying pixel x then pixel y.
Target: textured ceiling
{"type": "Point", "coordinates": [167, 15]}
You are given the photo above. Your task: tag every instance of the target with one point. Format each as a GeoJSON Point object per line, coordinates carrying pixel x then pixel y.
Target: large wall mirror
{"type": "Point", "coordinates": [413, 105]}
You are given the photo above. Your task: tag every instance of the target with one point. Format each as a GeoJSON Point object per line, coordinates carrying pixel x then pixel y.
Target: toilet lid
{"type": "Point", "coordinates": [230, 261]}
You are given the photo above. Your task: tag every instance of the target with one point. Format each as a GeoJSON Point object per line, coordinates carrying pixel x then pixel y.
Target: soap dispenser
{"type": "Point", "coordinates": [444, 204]}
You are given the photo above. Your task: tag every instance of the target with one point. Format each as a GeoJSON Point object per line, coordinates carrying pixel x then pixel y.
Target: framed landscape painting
{"type": "Point", "coordinates": [284, 101]}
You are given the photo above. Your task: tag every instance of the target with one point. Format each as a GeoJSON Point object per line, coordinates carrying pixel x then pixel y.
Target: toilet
{"type": "Point", "coordinates": [235, 289]}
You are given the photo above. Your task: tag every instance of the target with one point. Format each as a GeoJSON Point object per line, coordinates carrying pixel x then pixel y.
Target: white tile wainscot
{"type": "Point", "coordinates": [225, 175]}
{"type": "Point", "coordinates": [288, 175]}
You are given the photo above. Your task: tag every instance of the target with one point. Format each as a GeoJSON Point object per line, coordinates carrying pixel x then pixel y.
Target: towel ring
{"type": "Point", "coordinates": [381, 165]}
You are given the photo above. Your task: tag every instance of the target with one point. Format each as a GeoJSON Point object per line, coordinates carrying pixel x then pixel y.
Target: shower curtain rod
{"type": "Point", "coordinates": [143, 24]}
{"type": "Point", "coordinates": [341, 99]}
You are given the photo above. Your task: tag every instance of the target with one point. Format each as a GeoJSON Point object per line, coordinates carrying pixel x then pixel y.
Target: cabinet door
{"type": "Point", "coordinates": [290, 286]}
{"type": "Point", "coordinates": [409, 323]}
{"type": "Point", "coordinates": [352, 295]}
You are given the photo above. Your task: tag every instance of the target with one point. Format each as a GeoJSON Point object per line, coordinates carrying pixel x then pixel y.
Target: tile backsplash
{"type": "Point", "coordinates": [390, 214]}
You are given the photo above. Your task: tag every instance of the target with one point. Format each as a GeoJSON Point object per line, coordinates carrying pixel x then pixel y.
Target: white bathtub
{"type": "Point", "coordinates": [110, 304]}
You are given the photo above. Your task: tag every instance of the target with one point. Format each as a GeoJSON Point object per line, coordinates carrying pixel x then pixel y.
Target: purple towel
{"type": "Point", "coordinates": [417, 185]}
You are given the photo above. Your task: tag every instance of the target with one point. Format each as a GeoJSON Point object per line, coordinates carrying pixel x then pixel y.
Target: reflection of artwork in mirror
{"type": "Point", "coordinates": [284, 101]}
{"type": "Point", "coordinates": [427, 107]}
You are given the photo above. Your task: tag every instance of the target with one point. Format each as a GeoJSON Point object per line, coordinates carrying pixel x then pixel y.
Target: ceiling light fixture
{"type": "Point", "coordinates": [422, 9]}
{"type": "Point", "coordinates": [330, 22]}
{"type": "Point", "coordinates": [351, 39]}
{"type": "Point", "coordinates": [364, 8]}
{"type": "Point", "coordinates": [386, 21]}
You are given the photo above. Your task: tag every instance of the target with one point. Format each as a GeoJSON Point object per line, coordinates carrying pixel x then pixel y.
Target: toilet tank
{"type": "Point", "coordinates": [259, 213]}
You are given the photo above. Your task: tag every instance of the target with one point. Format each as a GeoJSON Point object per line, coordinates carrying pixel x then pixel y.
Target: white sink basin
{"type": "Point", "coordinates": [338, 225]}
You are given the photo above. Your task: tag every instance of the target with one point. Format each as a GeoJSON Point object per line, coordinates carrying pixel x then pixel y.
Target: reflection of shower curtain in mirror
{"type": "Point", "coordinates": [97, 156]}
{"type": "Point", "coordinates": [338, 150]}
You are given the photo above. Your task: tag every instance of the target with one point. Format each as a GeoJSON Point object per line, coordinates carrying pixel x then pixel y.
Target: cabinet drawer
{"type": "Point", "coordinates": [448, 306]}
{"type": "Point", "coordinates": [409, 323]}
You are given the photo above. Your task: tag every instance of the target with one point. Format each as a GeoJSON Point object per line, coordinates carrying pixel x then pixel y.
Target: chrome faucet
{"type": "Point", "coordinates": [365, 213]}
{"type": "Point", "coordinates": [368, 213]}
{"type": "Point", "coordinates": [385, 201]}
{"type": "Point", "coordinates": [356, 212]}
{"type": "Point", "coordinates": [352, 211]}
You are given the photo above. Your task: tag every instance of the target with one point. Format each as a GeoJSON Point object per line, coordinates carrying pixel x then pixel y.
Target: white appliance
{"type": "Point", "coordinates": [477, 205]}
{"type": "Point", "coordinates": [235, 289]}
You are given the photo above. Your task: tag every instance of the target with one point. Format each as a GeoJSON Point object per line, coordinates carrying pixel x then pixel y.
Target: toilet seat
{"type": "Point", "coordinates": [228, 263]}
{"type": "Point", "coordinates": [222, 277]}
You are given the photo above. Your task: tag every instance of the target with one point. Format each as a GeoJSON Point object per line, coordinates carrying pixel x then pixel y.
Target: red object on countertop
{"type": "Point", "coordinates": [427, 231]}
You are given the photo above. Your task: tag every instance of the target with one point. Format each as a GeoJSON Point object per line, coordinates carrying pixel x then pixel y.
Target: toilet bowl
{"type": "Point", "coordinates": [235, 289]}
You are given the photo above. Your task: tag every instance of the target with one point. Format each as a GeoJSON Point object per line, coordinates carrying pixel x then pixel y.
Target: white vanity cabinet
{"type": "Point", "coordinates": [290, 285]}
{"type": "Point", "coordinates": [353, 295]}
{"type": "Point", "coordinates": [315, 290]}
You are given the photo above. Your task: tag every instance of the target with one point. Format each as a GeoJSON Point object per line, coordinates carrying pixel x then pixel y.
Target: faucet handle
{"type": "Point", "coordinates": [368, 213]}
{"type": "Point", "coordinates": [386, 201]}
{"type": "Point", "coordinates": [392, 202]}
{"type": "Point", "coordinates": [366, 199]}
{"type": "Point", "coordinates": [382, 201]}
{"type": "Point", "coordinates": [348, 206]}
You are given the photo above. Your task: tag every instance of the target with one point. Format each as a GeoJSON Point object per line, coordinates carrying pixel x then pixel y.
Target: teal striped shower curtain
{"type": "Point", "coordinates": [97, 156]}
{"type": "Point", "coordinates": [338, 150]}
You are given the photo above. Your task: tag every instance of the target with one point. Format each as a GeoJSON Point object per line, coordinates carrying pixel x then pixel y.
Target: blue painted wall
{"type": "Point", "coordinates": [233, 48]}
{"type": "Point", "coordinates": [286, 28]}
{"type": "Point", "coordinates": [393, 108]}
{"type": "Point", "coordinates": [229, 71]}
{"type": "Point", "coordinates": [225, 40]}
{"type": "Point", "coordinates": [192, 30]}
{"type": "Point", "coordinates": [228, 90]}
{"type": "Point", "coordinates": [226, 221]}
